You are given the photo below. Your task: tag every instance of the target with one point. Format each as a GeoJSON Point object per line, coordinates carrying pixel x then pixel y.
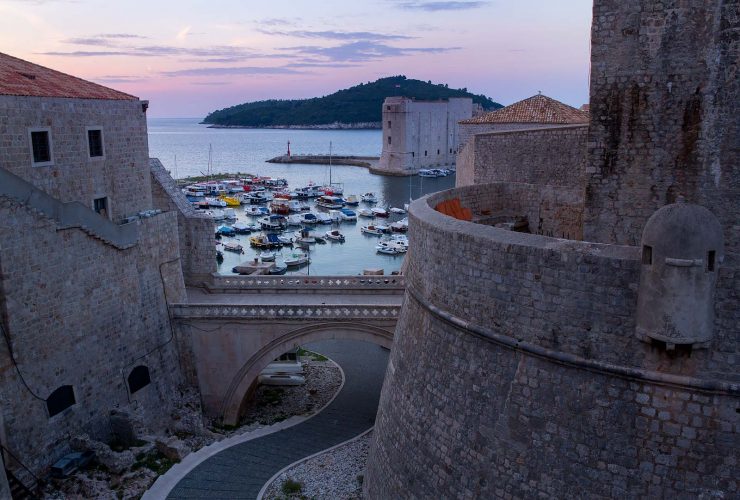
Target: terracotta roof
{"type": "Point", "coordinates": [535, 109]}
{"type": "Point", "coordinates": [19, 77]}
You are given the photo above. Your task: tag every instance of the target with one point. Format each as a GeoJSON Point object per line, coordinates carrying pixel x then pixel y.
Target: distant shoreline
{"type": "Point", "coordinates": [326, 126]}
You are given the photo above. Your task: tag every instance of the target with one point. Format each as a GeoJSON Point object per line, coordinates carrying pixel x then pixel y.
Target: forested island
{"type": "Point", "coordinates": [356, 107]}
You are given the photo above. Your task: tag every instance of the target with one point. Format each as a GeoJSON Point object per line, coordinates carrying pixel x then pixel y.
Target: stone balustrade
{"type": "Point", "coordinates": [312, 312]}
{"type": "Point", "coordinates": [231, 284]}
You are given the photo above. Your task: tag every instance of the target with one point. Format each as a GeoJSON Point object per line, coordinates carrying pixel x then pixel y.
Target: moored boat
{"type": "Point", "coordinates": [347, 214]}
{"type": "Point", "coordinates": [379, 212]}
{"type": "Point", "coordinates": [374, 230]}
{"type": "Point", "coordinates": [365, 212]}
{"type": "Point", "coordinates": [334, 235]}
{"type": "Point", "coordinates": [233, 247]}
{"type": "Point", "coordinates": [296, 259]}
{"type": "Point", "coordinates": [369, 198]}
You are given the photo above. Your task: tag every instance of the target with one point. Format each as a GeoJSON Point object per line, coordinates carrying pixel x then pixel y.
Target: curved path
{"type": "Point", "coordinates": [241, 470]}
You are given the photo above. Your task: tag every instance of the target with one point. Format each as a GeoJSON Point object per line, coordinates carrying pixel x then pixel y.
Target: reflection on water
{"type": "Point", "coordinates": [245, 150]}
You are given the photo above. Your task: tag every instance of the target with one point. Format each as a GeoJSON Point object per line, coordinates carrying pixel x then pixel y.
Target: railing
{"type": "Point", "coordinates": [225, 284]}
{"type": "Point", "coordinates": [68, 215]}
{"type": "Point", "coordinates": [316, 312]}
{"type": "Point", "coordinates": [33, 489]}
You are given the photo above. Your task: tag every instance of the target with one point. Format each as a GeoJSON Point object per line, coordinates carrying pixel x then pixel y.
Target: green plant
{"type": "Point", "coordinates": [291, 487]}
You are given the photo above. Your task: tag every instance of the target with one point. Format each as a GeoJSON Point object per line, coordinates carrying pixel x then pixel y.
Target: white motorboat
{"type": "Point", "coordinates": [242, 228]}
{"type": "Point", "coordinates": [296, 259]}
{"type": "Point", "coordinates": [369, 198]}
{"type": "Point", "coordinates": [397, 210]}
{"type": "Point", "coordinates": [217, 214]}
{"type": "Point", "coordinates": [267, 256]}
{"type": "Point", "coordinates": [285, 240]}
{"type": "Point", "coordinates": [334, 235]}
{"type": "Point", "coordinates": [373, 229]}
{"type": "Point", "coordinates": [365, 212]}
{"type": "Point", "coordinates": [297, 206]}
{"type": "Point", "coordinates": [389, 249]}
{"type": "Point", "coordinates": [425, 172]}
{"type": "Point", "coordinates": [400, 226]}
{"type": "Point", "coordinates": [256, 211]}
{"type": "Point", "coordinates": [351, 201]}
{"type": "Point", "coordinates": [379, 212]}
{"type": "Point", "coordinates": [309, 218]}
{"type": "Point", "coordinates": [229, 213]}
{"type": "Point", "coordinates": [295, 220]}
{"type": "Point", "coordinates": [273, 222]}
{"type": "Point", "coordinates": [233, 247]}
{"type": "Point", "coordinates": [215, 202]}
{"type": "Point", "coordinates": [329, 202]}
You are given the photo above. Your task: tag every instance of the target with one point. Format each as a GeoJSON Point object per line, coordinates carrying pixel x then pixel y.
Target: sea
{"type": "Point", "coordinates": [183, 145]}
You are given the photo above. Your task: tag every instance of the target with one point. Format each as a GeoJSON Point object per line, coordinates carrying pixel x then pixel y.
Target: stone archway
{"type": "Point", "coordinates": [247, 374]}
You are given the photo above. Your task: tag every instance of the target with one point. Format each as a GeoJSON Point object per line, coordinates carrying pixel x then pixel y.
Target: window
{"type": "Point", "coordinates": [389, 124]}
{"type": "Point", "coordinates": [138, 378]}
{"type": "Point", "coordinates": [100, 205]}
{"type": "Point", "coordinates": [41, 147]}
{"type": "Point", "coordinates": [450, 150]}
{"type": "Point", "coordinates": [710, 260]}
{"type": "Point", "coordinates": [438, 151]}
{"type": "Point", "coordinates": [389, 139]}
{"type": "Point", "coordinates": [95, 142]}
{"type": "Point", "coordinates": [647, 255]}
{"type": "Point", "coordinates": [412, 154]}
{"type": "Point", "coordinates": [425, 153]}
{"type": "Point", "coordinates": [59, 400]}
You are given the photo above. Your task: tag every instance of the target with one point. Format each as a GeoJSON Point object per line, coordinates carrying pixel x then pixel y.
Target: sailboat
{"type": "Point", "coordinates": [332, 189]}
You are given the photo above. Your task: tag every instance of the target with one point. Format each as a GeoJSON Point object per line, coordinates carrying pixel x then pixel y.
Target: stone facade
{"type": "Point", "coordinates": [121, 174]}
{"type": "Point", "coordinates": [420, 134]}
{"type": "Point", "coordinates": [84, 297]}
{"type": "Point", "coordinates": [518, 369]}
{"type": "Point", "coordinates": [542, 156]}
{"type": "Point", "coordinates": [195, 230]}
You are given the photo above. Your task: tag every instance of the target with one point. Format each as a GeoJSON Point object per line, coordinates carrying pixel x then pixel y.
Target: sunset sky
{"type": "Point", "coordinates": [192, 57]}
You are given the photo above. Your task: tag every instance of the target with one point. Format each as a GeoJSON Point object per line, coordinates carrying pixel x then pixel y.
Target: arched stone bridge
{"type": "Point", "coordinates": [234, 326]}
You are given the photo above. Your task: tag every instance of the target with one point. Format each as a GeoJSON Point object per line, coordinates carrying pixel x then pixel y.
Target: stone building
{"type": "Point", "coordinates": [420, 134]}
{"type": "Point", "coordinates": [93, 246]}
{"type": "Point", "coordinates": [579, 336]}
{"type": "Point", "coordinates": [478, 160]}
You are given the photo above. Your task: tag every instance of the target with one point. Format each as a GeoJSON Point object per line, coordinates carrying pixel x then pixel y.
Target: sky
{"type": "Point", "coordinates": [192, 57]}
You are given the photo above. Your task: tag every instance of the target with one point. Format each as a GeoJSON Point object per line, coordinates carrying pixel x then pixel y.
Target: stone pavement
{"type": "Point", "coordinates": [240, 472]}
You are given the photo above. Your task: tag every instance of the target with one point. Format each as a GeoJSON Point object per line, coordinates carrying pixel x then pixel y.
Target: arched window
{"type": "Point", "coordinates": [61, 399]}
{"type": "Point", "coordinates": [138, 378]}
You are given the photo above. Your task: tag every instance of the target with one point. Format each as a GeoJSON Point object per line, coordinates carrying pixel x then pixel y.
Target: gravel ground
{"type": "Point", "coordinates": [335, 475]}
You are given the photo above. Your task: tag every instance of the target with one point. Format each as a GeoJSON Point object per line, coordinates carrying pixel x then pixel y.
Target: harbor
{"type": "Point", "coordinates": [247, 151]}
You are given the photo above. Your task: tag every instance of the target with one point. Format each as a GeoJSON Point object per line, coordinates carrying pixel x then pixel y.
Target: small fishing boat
{"type": "Point", "coordinates": [298, 206]}
{"type": "Point", "coordinates": [233, 247]}
{"type": "Point", "coordinates": [230, 201]}
{"type": "Point", "coordinates": [226, 231]}
{"type": "Point", "coordinates": [365, 212]}
{"type": "Point", "coordinates": [229, 213]}
{"type": "Point", "coordinates": [351, 201]}
{"type": "Point", "coordinates": [285, 240]}
{"type": "Point", "coordinates": [280, 206]}
{"type": "Point", "coordinates": [256, 211]}
{"type": "Point", "coordinates": [241, 228]}
{"type": "Point", "coordinates": [369, 198]}
{"type": "Point", "coordinates": [273, 222]}
{"type": "Point", "coordinates": [265, 241]}
{"type": "Point", "coordinates": [295, 220]}
{"type": "Point", "coordinates": [400, 226]}
{"type": "Point", "coordinates": [334, 235]}
{"type": "Point", "coordinates": [347, 214]}
{"type": "Point", "coordinates": [373, 229]}
{"type": "Point", "coordinates": [329, 202]}
{"type": "Point", "coordinates": [379, 212]}
{"type": "Point", "coordinates": [267, 256]}
{"type": "Point", "coordinates": [323, 218]}
{"type": "Point", "coordinates": [215, 202]}
{"type": "Point", "coordinates": [397, 210]}
{"type": "Point", "coordinates": [278, 269]}
{"type": "Point", "coordinates": [296, 259]}
{"type": "Point", "coordinates": [309, 218]}
{"type": "Point", "coordinates": [304, 237]}
{"type": "Point", "coordinates": [217, 214]}
{"type": "Point", "coordinates": [425, 172]}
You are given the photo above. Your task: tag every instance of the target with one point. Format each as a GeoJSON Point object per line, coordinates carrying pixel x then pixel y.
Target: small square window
{"type": "Point", "coordinates": [41, 146]}
{"type": "Point", "coordinates": [95, 142]}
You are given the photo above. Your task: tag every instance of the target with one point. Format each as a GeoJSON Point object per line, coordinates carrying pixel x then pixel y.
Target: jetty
{"type": "Point", "coordinates": [357, 161]}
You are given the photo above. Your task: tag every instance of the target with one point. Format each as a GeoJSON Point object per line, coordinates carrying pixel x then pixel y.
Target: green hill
{"type": "Point", "coordinates": [359, 104]}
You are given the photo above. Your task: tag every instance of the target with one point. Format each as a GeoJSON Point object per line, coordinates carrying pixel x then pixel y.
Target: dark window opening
{"type": "Point", "coordinates": [100, 205]}
{"type": "Point", "coordinates": [61, 399]}
{"type": "Point", "coordinates": [647, 254]}
{"type": "Point", "coordinates": [450, 150]}
{"type": "Point", "coordinates": [288, 356]}
{"type": "Point", "coordinates": [138, 378]}
{"type": "Point", "coordinates": [389, 139]}
{"type": "Point", "coordinates": [95, 142]}
{"type": "Point", "coordinates": [710, 260]}
{"type": "Point", "coordinates": [41, 147]}
{"type": "Point", "coordinates": [412, 154]}
{"type": "Point", "coordinates": [388, 108]}
{"type": "Point", "coordinates": [389, 124]}
{"type": "Point", "coordinates": [425, 153]}
{"type": "Point", "coordinates": [438, 151]}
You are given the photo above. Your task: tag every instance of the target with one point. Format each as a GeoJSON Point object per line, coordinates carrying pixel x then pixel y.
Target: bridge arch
{"type": "Point", "coordinates": [250, 370]}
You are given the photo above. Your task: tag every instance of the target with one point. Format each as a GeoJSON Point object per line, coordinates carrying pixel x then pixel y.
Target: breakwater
{"type": "Point", "coordinates": [357, 161]}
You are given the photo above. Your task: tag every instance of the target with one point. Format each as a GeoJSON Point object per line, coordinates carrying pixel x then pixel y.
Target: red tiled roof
{"type": "Point", "coordinates": [19, 77]}
{"type": "Point", "coordinates": [535, 109]}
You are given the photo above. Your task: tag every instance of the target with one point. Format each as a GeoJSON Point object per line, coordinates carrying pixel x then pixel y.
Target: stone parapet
{"type": "Point", "coordinates": [305, 284]}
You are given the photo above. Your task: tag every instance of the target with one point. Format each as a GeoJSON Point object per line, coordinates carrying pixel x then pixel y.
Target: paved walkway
{"type": "Point", "coordinates": [198, 296]}
{"type": "Point", "coordinates": [240, 472]}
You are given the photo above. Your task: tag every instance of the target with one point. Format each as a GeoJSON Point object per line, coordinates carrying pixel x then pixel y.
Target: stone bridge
{"type": "Point", "coordinates": [233, 326]}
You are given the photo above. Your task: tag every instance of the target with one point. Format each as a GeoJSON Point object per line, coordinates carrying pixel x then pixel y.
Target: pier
{"type": "Point", "coordinates": [357, 161]}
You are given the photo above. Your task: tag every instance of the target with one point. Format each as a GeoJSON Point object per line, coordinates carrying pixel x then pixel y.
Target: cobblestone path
{"type": "Point", "coordinates": [240, 472]}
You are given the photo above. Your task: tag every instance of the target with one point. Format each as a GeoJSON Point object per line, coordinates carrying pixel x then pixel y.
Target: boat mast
{"type": "Point", "coordinates": [210, 159]}
{"type": "Point", "coordinates": [329, 163]}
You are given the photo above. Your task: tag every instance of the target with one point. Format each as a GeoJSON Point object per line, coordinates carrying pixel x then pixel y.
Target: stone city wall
{"type": "Point", "coordinates": [515, 372]}
{"type": "Point", "coordinates": [80, 312]}
{"type": "Point", "coordinates": [122, 174]}
{"type": "Point", "coordinates": [195, 230]}
{"type": "Point", "coordinates": [664, 107]}
{"type": "Point", "coordinates": [466, 131]}
{"type": "Point", "coordinates": [543, 156]}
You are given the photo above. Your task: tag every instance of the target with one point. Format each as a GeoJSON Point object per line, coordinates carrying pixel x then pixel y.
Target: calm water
{"type": "Point", "coordinates": [246, 150]}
